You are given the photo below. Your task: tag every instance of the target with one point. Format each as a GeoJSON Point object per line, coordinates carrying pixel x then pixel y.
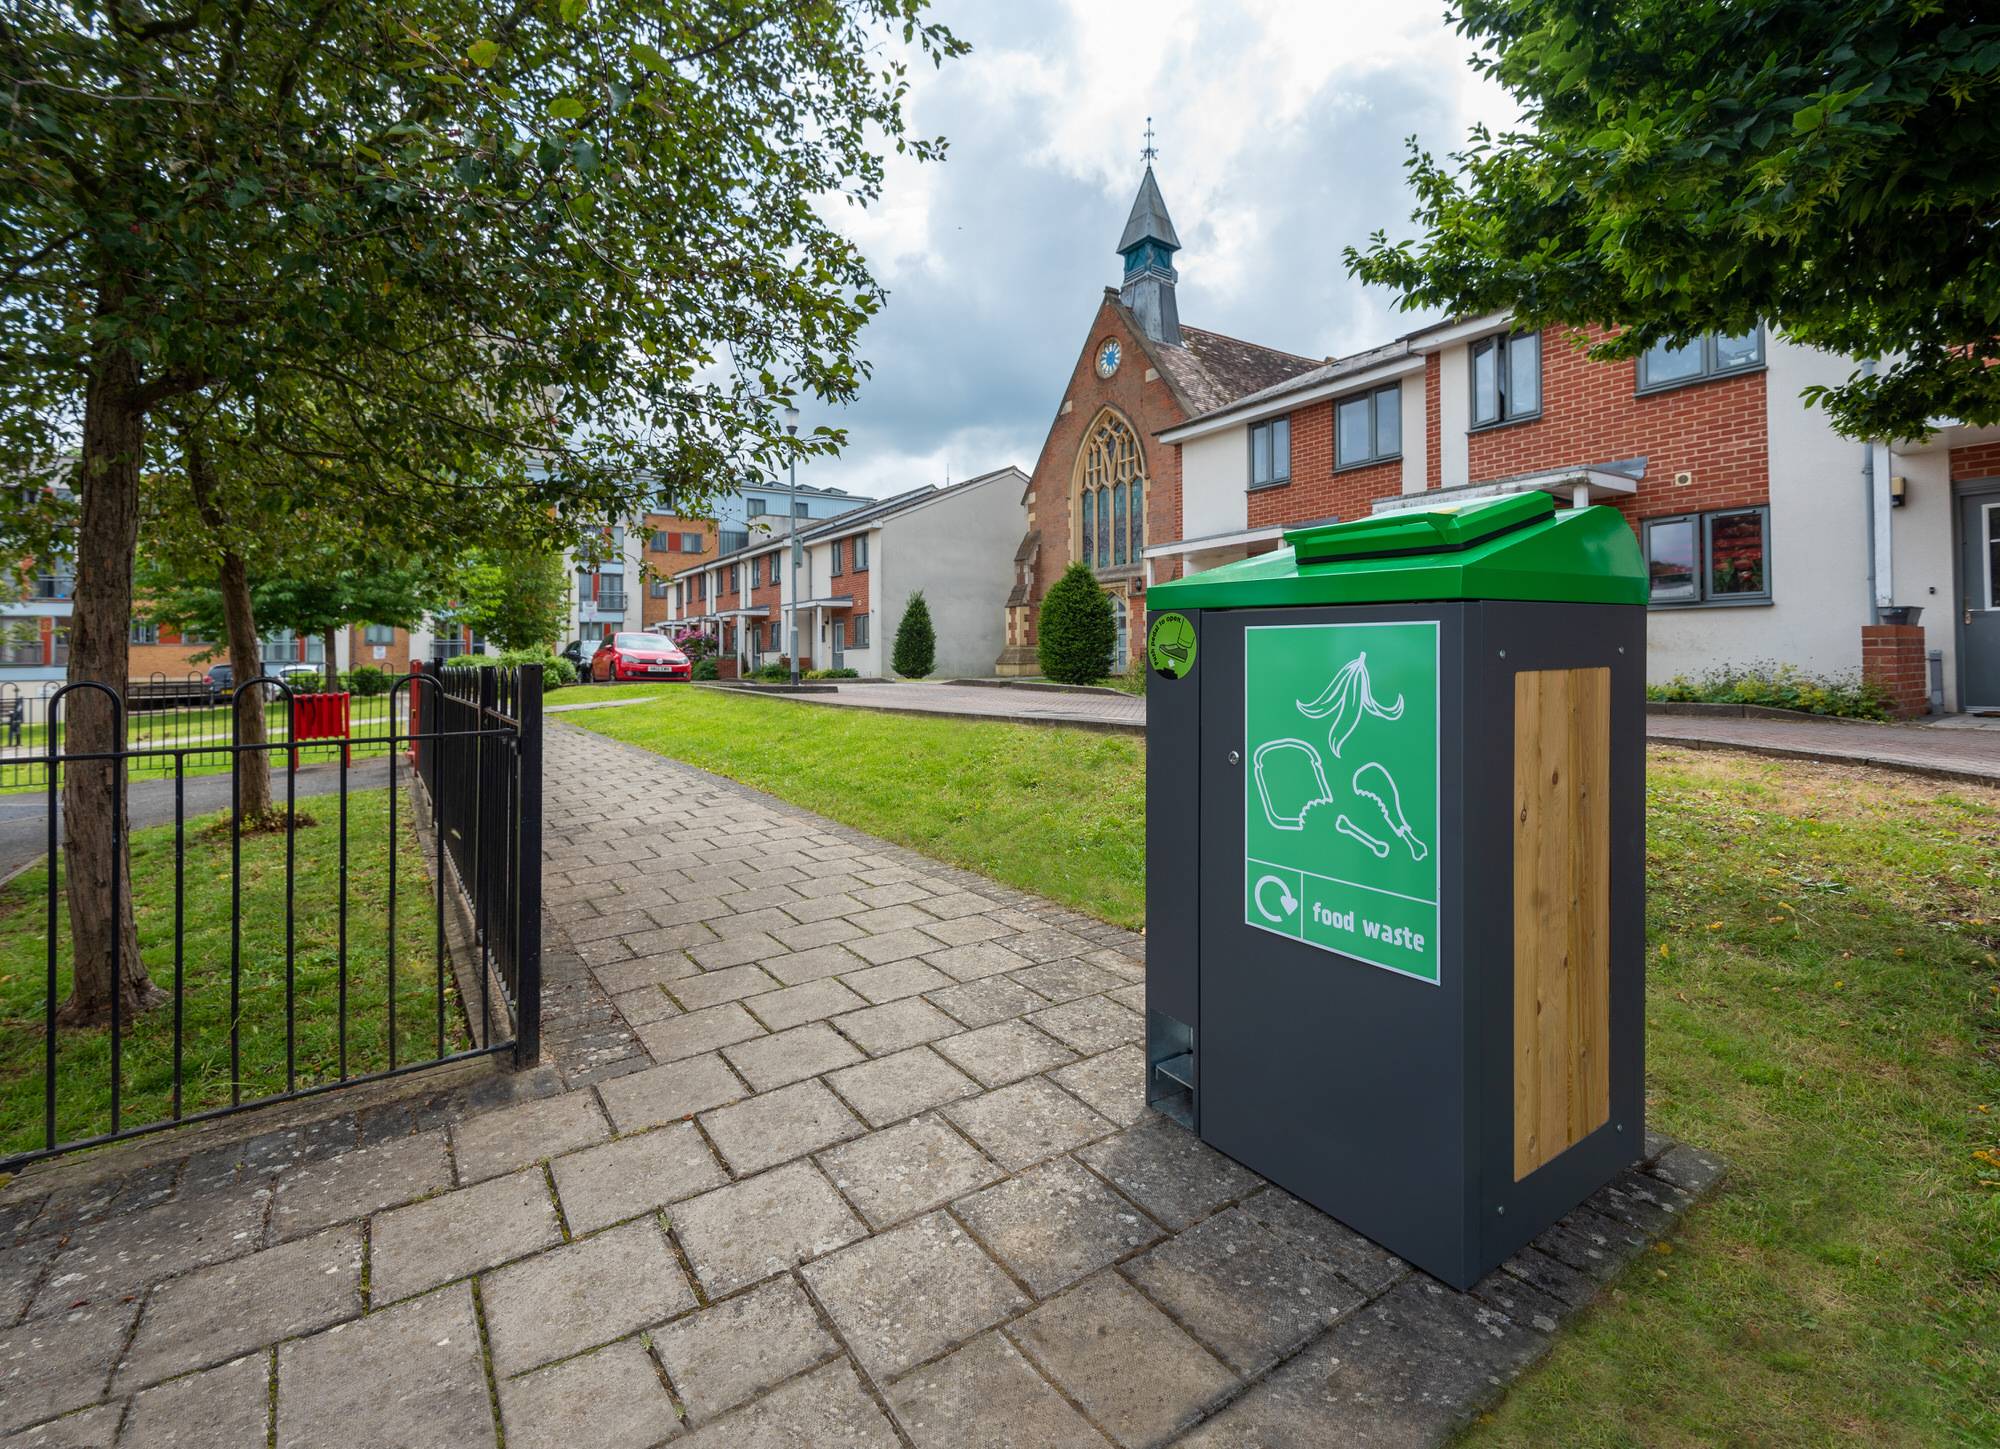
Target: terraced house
{"type": "Point", "coordinates": [1770, 539]}
{"type": "Point", "coordinates": [854, 578]}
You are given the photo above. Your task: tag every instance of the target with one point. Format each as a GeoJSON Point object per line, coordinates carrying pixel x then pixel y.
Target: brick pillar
{"type": "Point", "coordinates": [1893, 656]}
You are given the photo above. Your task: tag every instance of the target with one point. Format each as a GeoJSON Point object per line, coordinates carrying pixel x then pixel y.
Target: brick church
{"type": "Point", "coordinates": [1105, 487]}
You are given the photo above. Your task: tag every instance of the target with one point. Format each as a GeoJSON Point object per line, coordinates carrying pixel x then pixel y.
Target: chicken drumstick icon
{"type": "Point", "coordinates": [1379, 785]}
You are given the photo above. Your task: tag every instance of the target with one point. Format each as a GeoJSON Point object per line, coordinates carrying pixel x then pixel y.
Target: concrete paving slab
{"type": "Point", "coordinates": [762, 1131]}
{"type": "Point", "coordinates": [1027, 1122]}
{"type": "Point", "coordinates": [220, 1312]}
{"type": "Point", "coordinates": [895, 1026]}
{"type": "Point", "coordinates": [825, 1409]}
{"type": "Point", "coordinates": [1246, 1293]}
{"type": "Point", "coordinates": [581, 1295]}
{"type": "Point", "coordinates": [745, 1232]}
{"type": "Point", "coordinates": [357, 1183]}
{"type": "Point", "coordinates": [1056, 1224]}
{"type": "Point", "coordinates": [607, 1184]}
{"type": "Point", "coordinates": [807, 1002]}
{"type": "Point", "coordinates": [60, 1362]}
{"type": "Point", "coordinates": [1004, 1052]}
{"type": "Point", "coordinates": [901, 1085]}
{"type": "Point", "coordinates": [670, 1093]}
{"type": "Point", "coordinates": [1169, 1171]}
{"type": "Point", "coordinates": [1133, 1370]}
{"type": "Point", "coordinates": [708, 1029]}
{"type": "Point", "coordinates": [987, 1394]}
{"type": "Point", "coordinates": [611, 1398]}
{"type": "Point", "coordinates": [791, 1056]}
{"type": "Point", "coordinates": [411, 1375]}
{"type": "Point", "coordinates": [416, 1248]}
{"type": "Point", "coordinates": [911, 1293]}
{"type": "Point", "coordinates": [902, 1171]}
{"type": "Point", "coordinates": [727, 1354]}
{"type": "Point", "coordinates": [220, 1408]}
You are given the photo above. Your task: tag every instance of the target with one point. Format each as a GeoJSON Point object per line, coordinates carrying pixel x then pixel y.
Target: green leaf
{"type": "Point", "coordinates": [566, 108]}
{"type": "Point", "coordinates": [483, 53]}
{"type": "Point", "coordinates": [650, 58]}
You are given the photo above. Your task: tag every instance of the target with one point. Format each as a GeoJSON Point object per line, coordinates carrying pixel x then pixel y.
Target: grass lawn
{"type": "Point", "coordinates": [1062, 812]}
{"type": "Point", "coordinates": [1823, 1009]}
{"type": "Point", "coordinates": [83, 1056]}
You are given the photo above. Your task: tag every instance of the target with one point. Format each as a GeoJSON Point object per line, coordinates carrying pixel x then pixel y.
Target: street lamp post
{"type": "Point", "coordinates": [792, 508]}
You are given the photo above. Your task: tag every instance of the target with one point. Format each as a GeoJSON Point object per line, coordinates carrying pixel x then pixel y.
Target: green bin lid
{"type": "Point", "coordinates": [1516, 547]}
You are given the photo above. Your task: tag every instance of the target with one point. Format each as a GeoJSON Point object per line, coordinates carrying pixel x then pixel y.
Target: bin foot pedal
{"type": "Point", "coordinates": [1178, 1070]}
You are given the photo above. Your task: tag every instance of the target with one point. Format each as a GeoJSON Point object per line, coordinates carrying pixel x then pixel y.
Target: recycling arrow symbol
{"type": "Point", "coordinates": [1286, 899]}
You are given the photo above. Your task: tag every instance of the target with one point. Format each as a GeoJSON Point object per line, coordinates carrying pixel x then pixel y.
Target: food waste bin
{"type": "Point", "coordinates": [1395, 868]}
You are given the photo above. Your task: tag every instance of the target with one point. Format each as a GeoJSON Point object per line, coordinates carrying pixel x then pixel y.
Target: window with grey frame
{"type": "Point", "coordinates": [1506, 378]}
{"type": "Point", "coordinates": [861, 553]}
{"type": "Point", "coordinates": [860, 631]}
{"type": "Point", "coordinates": [379, 634]}
{"type": "Point", "coordinates": [1718, 557]}
{"type": "Point", "coordinates": [837, 569]}
{"type": "Point", "coordinates": [753, 508]}
{"type": "Point", "coordinates": [1667, 365]}
{"type": "Point", "coordinates": [658, 542]}
{"type": "Point", "coordinates": [1271, 453]}
{"type": "Point", "coordinates": [1368, 427]}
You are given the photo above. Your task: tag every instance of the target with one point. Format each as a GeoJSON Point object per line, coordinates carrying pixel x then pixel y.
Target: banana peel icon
{"type": "Point", "coordinates": [1346, 700]}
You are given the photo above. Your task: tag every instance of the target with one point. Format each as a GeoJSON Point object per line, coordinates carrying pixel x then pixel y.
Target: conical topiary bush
{"type": "Point", "coordinates": [1077, 632]}
{"type": "Point", "coordinates": [915, 654]}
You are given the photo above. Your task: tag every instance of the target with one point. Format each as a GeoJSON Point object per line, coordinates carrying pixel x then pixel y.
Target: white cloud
{"type": "Point", "coordinates": [1280, 125]}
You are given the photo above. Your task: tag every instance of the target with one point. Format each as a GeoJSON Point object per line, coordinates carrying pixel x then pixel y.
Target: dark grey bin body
{"type": "Point", "coordinates": [1385, 1101]}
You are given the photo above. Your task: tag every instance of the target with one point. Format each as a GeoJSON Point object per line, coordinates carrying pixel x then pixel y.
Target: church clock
{"type": "Point", "coordinates": [1108, 353]}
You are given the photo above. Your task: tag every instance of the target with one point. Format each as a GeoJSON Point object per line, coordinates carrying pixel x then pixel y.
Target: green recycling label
{"type": "Point", "coordinates": [1170, 646]}
{"type": "Point", "coordinates": [1340, 800]}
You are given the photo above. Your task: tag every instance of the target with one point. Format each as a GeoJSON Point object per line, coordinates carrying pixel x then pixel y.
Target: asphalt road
{"type": "Point", "coordinates": [24, 831]}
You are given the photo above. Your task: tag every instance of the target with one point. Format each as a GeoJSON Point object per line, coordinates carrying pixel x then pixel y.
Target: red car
{"type": "Point", "coordinates": [638, 656]}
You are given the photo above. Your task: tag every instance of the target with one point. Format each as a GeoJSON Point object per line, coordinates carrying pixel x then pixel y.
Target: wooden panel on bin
{"type": "Point", "coordinates": [1562, 911]}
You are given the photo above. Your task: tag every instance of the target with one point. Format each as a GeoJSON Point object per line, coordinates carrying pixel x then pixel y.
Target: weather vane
{"type": "Point", "coordinates": [1151, 150]}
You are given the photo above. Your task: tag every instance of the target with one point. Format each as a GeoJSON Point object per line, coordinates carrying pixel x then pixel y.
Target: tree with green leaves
{"type": "Point", "coordinates": [915, 654]}
{"type": "Point", "coordinates": [587, 235]}
{"type": "Point", "coordinates": [1825, 167]}
{"type": "Point", "coordinates": [1076, 634]}
{"type": "Point", "coordinates": [516, 597]}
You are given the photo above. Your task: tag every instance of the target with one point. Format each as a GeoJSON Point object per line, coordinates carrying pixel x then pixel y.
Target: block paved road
{"type": "Point", "coordinates": [843, 1148]}
{"type": "Point", "coordinates": [1955, 753]}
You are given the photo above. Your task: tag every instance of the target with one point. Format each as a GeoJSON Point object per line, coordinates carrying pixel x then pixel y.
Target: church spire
{"type": "Point", "coordinates": [1148, 245]}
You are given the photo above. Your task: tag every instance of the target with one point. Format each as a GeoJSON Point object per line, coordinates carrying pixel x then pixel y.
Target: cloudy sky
{"type": "Point", "coordinates": [1280, 126]}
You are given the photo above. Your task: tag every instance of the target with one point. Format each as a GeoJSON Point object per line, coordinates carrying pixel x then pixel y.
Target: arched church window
{"type": "Point", "coordinates": [1110, 495]}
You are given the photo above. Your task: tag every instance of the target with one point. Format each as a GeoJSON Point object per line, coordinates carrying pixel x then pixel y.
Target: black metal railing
{"type": "Point", "coordinates": [187, 721]}
{"type": "Point", "coordinates": [306, 953]}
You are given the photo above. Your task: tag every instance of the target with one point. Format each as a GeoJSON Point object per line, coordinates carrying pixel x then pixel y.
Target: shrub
{"type": "Point", "coordinates": [556, 670]}
{"type": "Point", "coordinates": [366, 680]}
{"type": "Point", "coordinates": [705, 669]}
{"type": "Point", "coordinates": [1781, 686]}
{"type": "Point", "coordinates": [842, 673]}
{"type": "Point", "coordinates": [305, 681]}
{"type": "Point", "coordinates": [693, 643]}
{"type": "Point", "coordinates": [1077, 631]}
{"type": "Point", "coordinates": [775, 671]}
{"type": "Point", "coordinates": [915, 654]}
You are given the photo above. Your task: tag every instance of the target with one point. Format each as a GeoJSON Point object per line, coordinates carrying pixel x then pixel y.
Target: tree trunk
{"type": "Point", "coordinates": [329, 639]}
{"type": "Point", "coordinates": [96, 863]}
{"type": "Point", "coordinates": [253, 767]}
{"type": "Point", "coordinates": [239, 622]}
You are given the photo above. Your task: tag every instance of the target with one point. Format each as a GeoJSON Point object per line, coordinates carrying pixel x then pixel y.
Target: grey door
{"type": "Point", "coordinates": [1979, 598]}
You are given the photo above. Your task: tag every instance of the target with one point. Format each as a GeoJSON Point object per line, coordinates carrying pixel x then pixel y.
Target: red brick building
{"type": "Point", "coordinates": [1105, 486]}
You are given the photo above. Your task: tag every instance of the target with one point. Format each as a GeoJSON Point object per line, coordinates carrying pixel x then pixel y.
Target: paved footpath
{"type": "Point", "coordinates": [1951, 753]}
{"type": "Point", "coordinates": [843, 1148]}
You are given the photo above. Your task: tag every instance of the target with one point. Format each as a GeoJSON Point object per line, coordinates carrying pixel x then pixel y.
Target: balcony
{"type": "Point", "coordinates": [609, 604]}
